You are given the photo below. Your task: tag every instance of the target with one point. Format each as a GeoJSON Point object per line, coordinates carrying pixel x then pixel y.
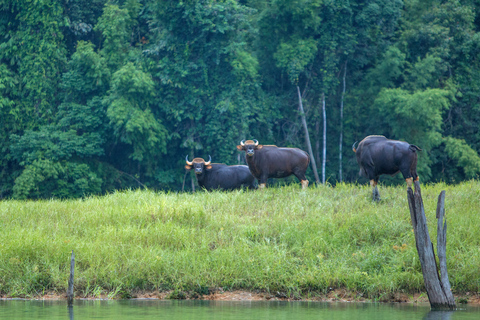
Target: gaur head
{"type": "Point", "coordinates": [249, 147]}
{"type": "Point", "coordinates": [198, 164]}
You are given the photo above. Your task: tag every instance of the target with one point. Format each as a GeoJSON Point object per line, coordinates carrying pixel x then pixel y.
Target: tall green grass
{"type": "Point", "coordinates": [276, 240]}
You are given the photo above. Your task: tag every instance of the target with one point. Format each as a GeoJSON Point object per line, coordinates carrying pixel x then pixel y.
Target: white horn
{"type": "Point", "coordinates": [188, 162]}
{"type": "Point", "coordinates": [209, 161]}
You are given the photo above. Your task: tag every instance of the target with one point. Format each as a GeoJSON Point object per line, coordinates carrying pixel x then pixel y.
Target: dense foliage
{"type": "Point", "coordinates": [98, 95]}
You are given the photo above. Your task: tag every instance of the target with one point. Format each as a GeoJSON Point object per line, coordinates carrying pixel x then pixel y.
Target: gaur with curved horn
{"type": "Point", "coordinates": [273, 162]}
{"type": "Point", "coordinates": [220, 176]}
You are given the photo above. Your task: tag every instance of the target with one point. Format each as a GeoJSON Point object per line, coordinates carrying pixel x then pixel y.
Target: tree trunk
{"type": "Point", "coordinates": [184, 177]}
{"type": "Point", "coordinates": [317, 141]}
{"type": "Point", "coordinates": [193, 184]}
{"type": "Point", "coordinates": [192, 179]}
{"type": "Point", "coordinates": [340, 144]}
{"type": "Point", "coordinates": [442, 245]}
{"type": "Point", "coordinates": [438, 289]}
{"type": "Point", "coordinates": [307, 137]}
{"type": "Point", "coordinates": [324, 156]}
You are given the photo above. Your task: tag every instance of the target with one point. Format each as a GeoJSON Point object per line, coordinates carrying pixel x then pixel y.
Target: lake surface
{"type": "Point", "coordinates": [229, 310]}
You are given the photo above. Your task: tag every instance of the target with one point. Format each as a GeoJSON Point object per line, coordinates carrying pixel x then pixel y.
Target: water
{"type": "Point", "coordinates": [185, 310]}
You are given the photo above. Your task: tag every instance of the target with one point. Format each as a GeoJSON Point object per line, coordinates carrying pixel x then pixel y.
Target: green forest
{"type": "Point", "coordinates": [101, 95]}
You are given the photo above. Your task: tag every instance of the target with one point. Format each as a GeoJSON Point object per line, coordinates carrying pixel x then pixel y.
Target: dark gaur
{"type": "Point", "coordinates": [273, 162]}
{"type": "Point", "coordinates": [377, 155]}
{"type": "Point", "coordinates": [220, 176]}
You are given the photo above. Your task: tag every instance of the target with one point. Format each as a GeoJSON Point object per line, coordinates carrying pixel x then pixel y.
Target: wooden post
{"type": "Point", "coordinates": [438, 289]}
{"type": "Point", "coordinates": [70, 281]}
{"type": "Point", "coordinates": [442, 247]}
{"type": "Point", "coordinates": [70, 313]}
{"type": "Point", "coordinates": [439, 315]}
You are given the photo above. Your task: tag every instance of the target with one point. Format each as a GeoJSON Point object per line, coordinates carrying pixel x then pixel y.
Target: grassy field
{"type": "Point", "coordinates": [280, 240]}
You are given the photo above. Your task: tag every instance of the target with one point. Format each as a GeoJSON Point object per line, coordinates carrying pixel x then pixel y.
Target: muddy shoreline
{"type": "Point", "coordinates": [338, 295]}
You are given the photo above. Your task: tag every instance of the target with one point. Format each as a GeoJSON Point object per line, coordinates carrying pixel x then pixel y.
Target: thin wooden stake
{"type": "Point", "coordinates": [70, 281]}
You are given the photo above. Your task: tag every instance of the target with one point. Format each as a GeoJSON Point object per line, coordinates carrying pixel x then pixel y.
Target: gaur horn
{"type": "Point", "coordinates": [242, 142]}
{"type": "Point", "coordinates": [353, 147]}
{"type": "Point", "coordinates": [256, 142]}
{"type": "Point", "coordinates": [209, 161]}
{"type": "Point", "coordinates": [188, 162]}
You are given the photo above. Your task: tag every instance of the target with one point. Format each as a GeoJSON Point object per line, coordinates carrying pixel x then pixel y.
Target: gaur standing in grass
{"type": "Point", "coordinates": [273, 162]}
{"type": "Point", "coordinates": [220, 176]}
{"type": "Point", "coordinates": [377, 155]}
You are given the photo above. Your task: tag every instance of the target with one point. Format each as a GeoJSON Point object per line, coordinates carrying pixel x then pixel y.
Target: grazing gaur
{"type": "Point", "coordinates": [220, 176]}
{"type": "Point", "coordinates": [377, 155]}
{"type": "Point", "coordinates": [273, 162]}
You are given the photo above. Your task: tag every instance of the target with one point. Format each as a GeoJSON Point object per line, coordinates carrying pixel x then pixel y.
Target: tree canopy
{"type": "Point", "coordinates": [103, 95]}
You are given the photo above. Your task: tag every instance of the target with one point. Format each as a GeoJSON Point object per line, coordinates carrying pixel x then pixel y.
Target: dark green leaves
{"type": "Point", "coordinates": [99, 95]}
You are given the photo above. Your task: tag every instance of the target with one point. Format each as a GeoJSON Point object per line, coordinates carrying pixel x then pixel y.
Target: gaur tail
{"type": "Point", "coordinates": [414, 148]}
{"type": "Point", "coordinates": [308, 156]}
{"type": "Point", "coordinates": [353, 147]}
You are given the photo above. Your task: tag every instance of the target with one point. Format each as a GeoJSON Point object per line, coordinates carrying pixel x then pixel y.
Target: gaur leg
{"type": "Point", "coordinates": [300, 174]}
{"type": "Point", "coordinates": [249, 183]}
{"type": "Point", "coordinates": [409, 182]}
{"type": "Point", "coordinates": [373, 185]}
{"type": "Point", "coordinates": [262, 182]}
{"type": "Point", "coordinates": [375, 193]}
{"type": "Point", "coordinates": [409, 179]}
{"type": "Point", "coordinates": [409, 172]}
{"type": "Point", "coordinates": [251, 186]}
{"type": "Point", "coordinates": [369, 172]}
{"type": "Point", "coordinates": [304, 184]}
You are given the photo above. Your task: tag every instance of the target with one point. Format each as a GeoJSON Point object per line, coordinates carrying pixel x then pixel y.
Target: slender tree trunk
{"type": "Point", "coordinates": [340, 144]}
{"type": "Point", "coordinates": [317, 141]}
{"type": "Point", "coordinates": [192, 179]}
{"type": "Point", "coordinates": [307, 137]}
{"type": "Point", "coordinates": [192, 152]}
{"type": "Point", "coordinates": [324, 156]}
{"type": "Point", "coordinates": [184, 177]}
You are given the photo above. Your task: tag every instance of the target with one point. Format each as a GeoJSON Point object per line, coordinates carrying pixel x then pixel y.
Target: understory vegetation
{"type": "Point", "coordinates": [280, 240]}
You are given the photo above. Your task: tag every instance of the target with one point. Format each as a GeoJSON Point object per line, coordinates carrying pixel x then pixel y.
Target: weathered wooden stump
{"type": "Point", "coordinates": [70, 313]}
{"type": "Point", "coordinates": [438, 287]}
{"type": "Point", "coordinates": [70, 294]}
{"type": "Point", "coordinates": [439, 315]}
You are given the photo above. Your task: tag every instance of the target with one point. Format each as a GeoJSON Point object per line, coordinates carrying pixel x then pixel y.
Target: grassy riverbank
{"type": "Point", "coordinates": [281, 240]}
